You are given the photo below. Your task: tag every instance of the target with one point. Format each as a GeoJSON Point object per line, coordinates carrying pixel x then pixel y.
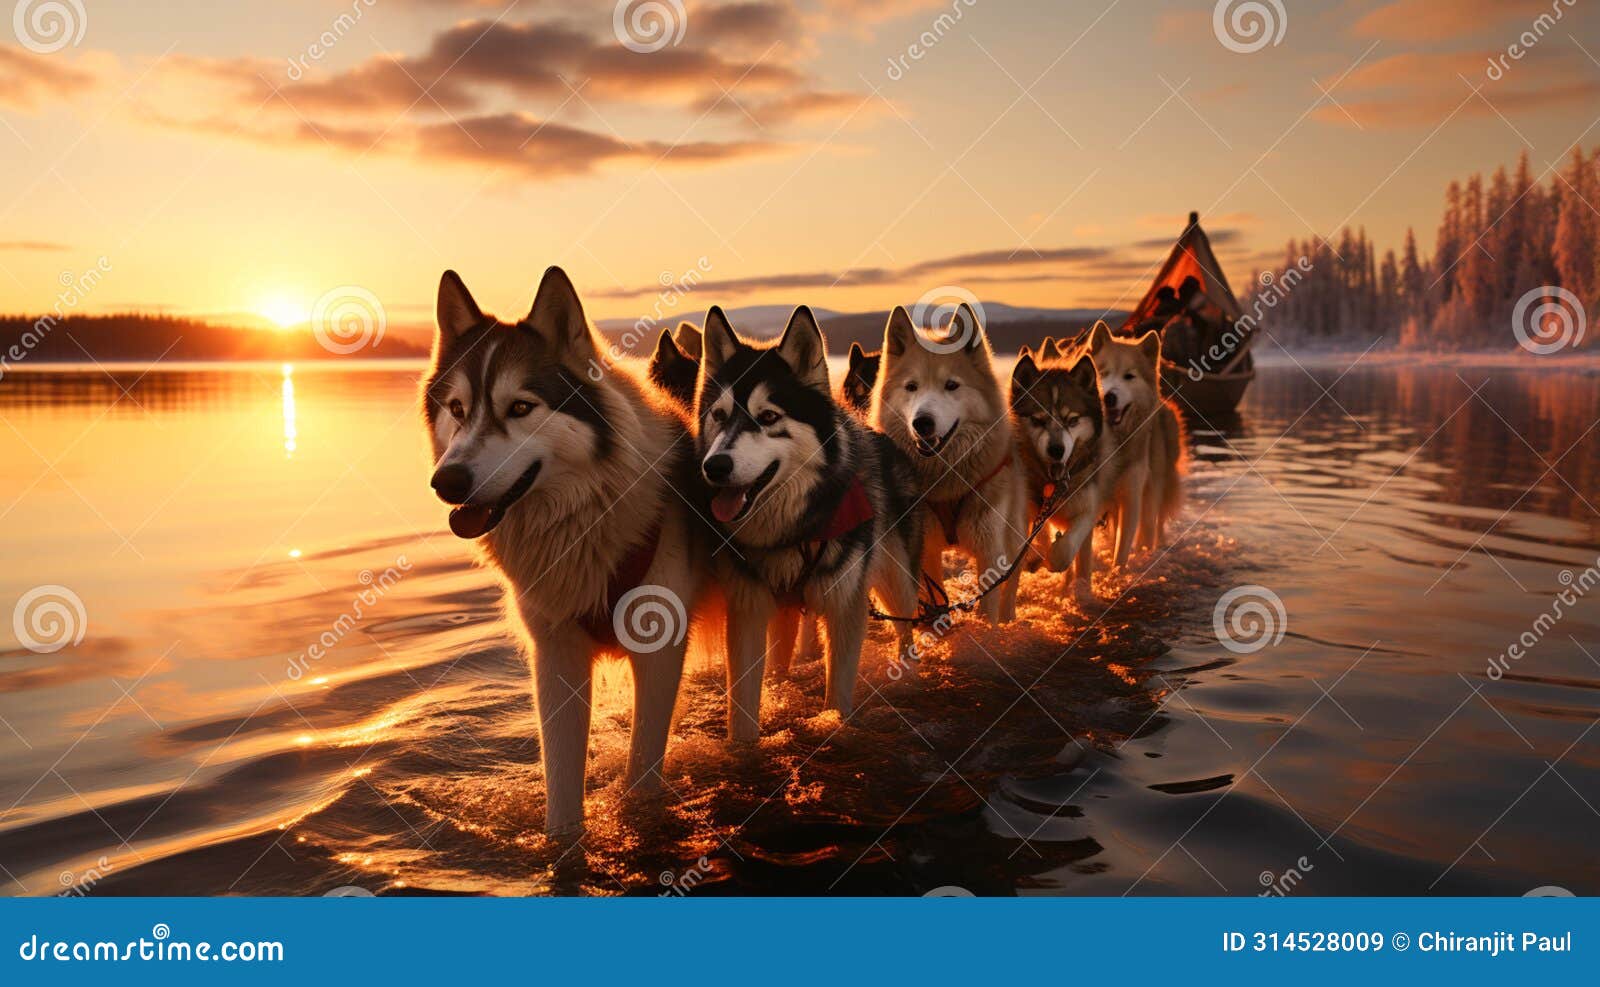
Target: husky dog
{"type": "Point", "coordinates": [939, 401]}
{"type": "Point", "coordinates": [814, 508]}
{"type": "Point", "coordinates": [676, 364]}
{"type": "Point", "coordinates": [1059, 421]}
{"type": "Point", "coordinates": [1147, 432]}
{"type": "Point", "coordinates": [534, 454]}
{"type": "Point", "coordinates": [858, 380]}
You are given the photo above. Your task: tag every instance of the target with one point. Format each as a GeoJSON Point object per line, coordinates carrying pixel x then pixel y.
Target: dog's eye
{"type": "Point", "coordinates": [456, 410]}
{"type": "Point", "coordinates": [952, 385]}
{"type": "Point", "coordinates": [1039, 421]}
{"type": "Point", "coordinates": [520, 409]}
{"type": "Point", "coordinates": [1127, 376]}
{"type": "Point", "coordinates": [911, 385]}
{"type": "Point", "coordinates": [1073, 421]}
{"type": "Point", "coordinates": [768, 418]}
{"type": "Point", "coordinates": [718, 415]}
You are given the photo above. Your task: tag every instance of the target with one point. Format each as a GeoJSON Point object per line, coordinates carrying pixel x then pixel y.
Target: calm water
{"type": "Point", "coordinates": [215, 524]}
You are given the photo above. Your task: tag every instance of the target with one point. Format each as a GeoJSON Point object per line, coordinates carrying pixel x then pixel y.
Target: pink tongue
{"type": "Point", "coordinates": [727, 504]}
{"type": "Point", "coordinates": [470, 520]}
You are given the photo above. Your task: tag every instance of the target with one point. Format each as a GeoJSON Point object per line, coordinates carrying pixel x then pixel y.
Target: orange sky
{"type": "Point", "coordinates": [1032, 153]}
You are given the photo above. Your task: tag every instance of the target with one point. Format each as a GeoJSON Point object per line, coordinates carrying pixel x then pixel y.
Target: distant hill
{"type": "Point", "coordinates": [1009, 326]}
{"type": "Point", "coordinates": [136, 337]}
{"type": "Point", "coordinates": [139, 337]}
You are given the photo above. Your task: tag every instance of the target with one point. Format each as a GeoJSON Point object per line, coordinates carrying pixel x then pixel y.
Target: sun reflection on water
{"type": "Point", "coordinates": [289, 429]}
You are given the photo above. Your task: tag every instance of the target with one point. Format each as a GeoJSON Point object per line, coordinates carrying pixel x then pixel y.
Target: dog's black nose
{"type": "Point", "coordinates": [1056, 450]}
{"type": "Point", "coordinates": [923, 425]}
{"type": "Point", "coordinates": [453, 483]}
{"type": "Point", "coordinates": [1111, 399]}
{"type": "Point", "coordinates": [718, 468]}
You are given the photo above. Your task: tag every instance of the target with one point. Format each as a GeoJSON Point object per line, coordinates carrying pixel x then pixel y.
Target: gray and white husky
{"type": "Point", "coordinates": [534, 453]}
{"type": "Point", "coordinates": [940, 402]}
{"type": "Point", "coordinates": [814, 510]}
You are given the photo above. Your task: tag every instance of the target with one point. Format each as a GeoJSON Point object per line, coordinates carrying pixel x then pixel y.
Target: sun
{"type": "Point", "coordinates": [282, 311]}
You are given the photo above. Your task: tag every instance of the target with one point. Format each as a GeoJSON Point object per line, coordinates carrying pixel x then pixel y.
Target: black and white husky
{"type": "Point", "coordinates": [813, 508]}
{"type": "Point", "coordinates": [571, 488]}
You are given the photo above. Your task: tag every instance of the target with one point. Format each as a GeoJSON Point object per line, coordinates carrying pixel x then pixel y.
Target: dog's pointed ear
{"type": "Point", "coordinates": [1150, 346]}
{"type": "Point", "coordinates": [1083, 374]}
{"type": "Point", "coordinates": [719, 341]}
{"type": "Point", "coordinates": [804, 350]}
{"type": "Point", "coordinates": [557, 314]}
{"type": "Point", "coordinates": [1025, 352]}
{"type": "Point", "coordinates": [1099, 336]}
{"type": "Point", "coordinates": [1025, 372]}
{"type": "Point", "coordinates": [666, 349]}
{"type": "Point", "coordinates": [688, 339]}
{"type": "Point", "coordinates": [1052, 349]}
{"type": "Point", "coordinates": [455, 310]}
{"type": "Point", "coordinates": [857, 355]}
{"type": "Point", "coordinates": [898, 332]}
{"type": "Point", "coordinates": [964, 325]}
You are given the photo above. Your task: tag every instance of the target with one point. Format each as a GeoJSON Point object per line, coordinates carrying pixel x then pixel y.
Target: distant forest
{"type": "Point", "coordinates": [135, 336]}
{"type": "Point", "coordinates": [1498, 240]}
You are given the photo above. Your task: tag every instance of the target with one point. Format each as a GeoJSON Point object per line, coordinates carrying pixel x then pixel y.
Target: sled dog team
{"type": "Point", "coordinates": [755, 509]}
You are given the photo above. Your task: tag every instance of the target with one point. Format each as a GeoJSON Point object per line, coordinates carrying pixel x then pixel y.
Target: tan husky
{"type": "Point", "coordinates": [1148, 433]}
{"type": "Point", "coordinates": [939, 400]}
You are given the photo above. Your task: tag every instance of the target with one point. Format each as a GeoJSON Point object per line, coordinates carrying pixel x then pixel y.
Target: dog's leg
{"type": "Point", "coordinates": [747, 651]}
{"type": "Point", "coordinates": [655, 693]}
{"type": "Point", "coordinates": [989, 541]}
{"type": "Point", "coordinates": [787, 625]}
{"type": "Point", "coordinates": [1132, 503]}
{"type": "Point", "coordinates": [561, 674]}
{"type": "Point", "coordinates": [1083, 578]}
{"type": "Point", "coordinates": [810, 647]}
{"type": "Point", "coordinates": [846, 614]}
{"type": "Point", "coordinates": [897, 587]}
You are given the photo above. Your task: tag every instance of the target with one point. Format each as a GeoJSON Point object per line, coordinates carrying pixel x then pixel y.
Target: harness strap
{"type": "Point", "coordinates": [628, 575]}
{"type": "Point", "coordinates": [949, 511]}
{"type": "Point", "coordinates": [853, 511]}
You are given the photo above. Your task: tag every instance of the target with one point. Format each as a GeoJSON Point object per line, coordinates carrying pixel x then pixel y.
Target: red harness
{"type": "Point", "coordinates": [854, 510]}
{"type": "Point", "coordinates": [628, 575]}
{"type": "Point", "coordinates": [949, 511]}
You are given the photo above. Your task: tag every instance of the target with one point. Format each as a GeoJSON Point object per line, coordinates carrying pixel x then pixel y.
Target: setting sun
{"type": "Point", "coordinates": [282, 312]}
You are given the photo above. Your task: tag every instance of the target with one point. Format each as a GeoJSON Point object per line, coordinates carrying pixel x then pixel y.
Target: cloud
{"type": "Point", "coordinates": [39, 246]}
{"type": "Point", "coordinates": [541, 149]}
{"type": "Point", "coordinates": [1430, 20]}
{"type": "Point", "coordinates": [1421, 89]}
{"type": "Point", "coordinates": [466, 96]}
{"type": "Point", "coordinates": [27, 79]}
{"type": "Point", "coordinates": [1097, 262]}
